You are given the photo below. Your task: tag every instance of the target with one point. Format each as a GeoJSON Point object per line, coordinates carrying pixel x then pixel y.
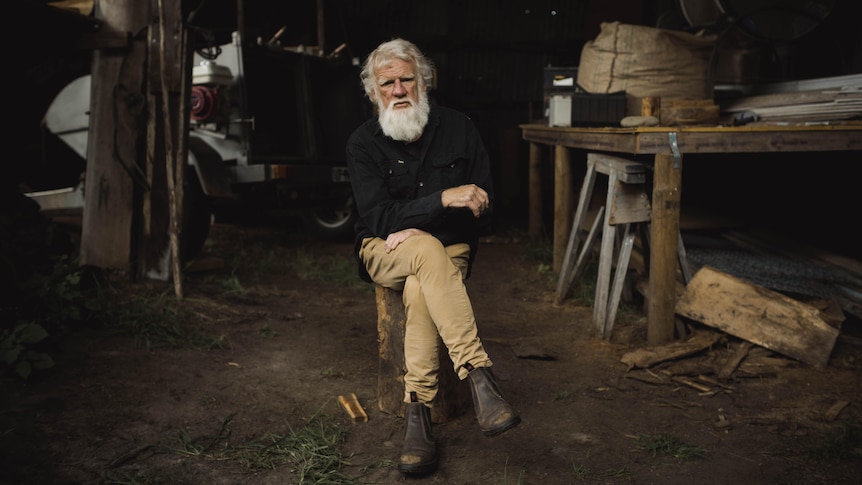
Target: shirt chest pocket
{"type": "Point", "coordinates": [399, 179]}
{"type": "Point", "coordinates": [452, 169]}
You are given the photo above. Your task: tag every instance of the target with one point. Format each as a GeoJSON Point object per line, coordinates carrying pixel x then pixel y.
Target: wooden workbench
{"type": "Point", "coordinates": [668, 145]}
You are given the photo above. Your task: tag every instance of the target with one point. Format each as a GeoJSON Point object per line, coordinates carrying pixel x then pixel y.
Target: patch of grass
{"type": "Point", "coordinates": [55, 297]}
{"type": "Point", "coordinates": [201, 445]}
{"type": "Point", "coordinates": [583, 473]}
{"type": "Point", "coordinates": [384, 463]}
{"type": "Point", "coordinates": [669, 445]}
{"type": "Point", "coordinates": [339, 270]}
{"type": "Point", "coordinates": [842, 443]}
{"type": "Point", "coordinates": [158, 320]}
{"type": "Point", "coordinates": [541, 252]}
{"type": "Point", "coordinates": [312, 452]}
{"type": "Point", "coordinates": [232, 285]}
{"type": "Point", "coordinates": [506, 474]}
{"type": "Point", "coordinates": [584, 289]}
{"type": "Point", "coordinates": [613, 473]}
{"type": "Point", "coordinates": [267, 331]}
{"type": "Point", "coordinates": [330, 373]}
{"type": "Point", "coordinates": [135, 479]}
{"type": "Point", "coordinates": [270, 261]}
{"type": "Point", "coordinates": [18, 349]}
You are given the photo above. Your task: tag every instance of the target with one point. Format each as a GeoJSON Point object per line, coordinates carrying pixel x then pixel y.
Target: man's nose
{"type": "Point", "coordinates": [399, 89]}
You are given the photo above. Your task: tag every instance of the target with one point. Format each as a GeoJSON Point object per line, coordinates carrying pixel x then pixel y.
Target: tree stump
{"type": "Point", "coordinates": [453, 396]}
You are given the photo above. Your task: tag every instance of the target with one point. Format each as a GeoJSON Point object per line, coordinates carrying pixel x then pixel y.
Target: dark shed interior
{"type": "Point", "coordinates": [490, 57]}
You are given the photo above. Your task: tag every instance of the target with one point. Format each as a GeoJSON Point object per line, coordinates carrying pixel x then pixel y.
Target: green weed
{"type": "Point", "coordinates": [136, 479]}
{"type": "Point", "coordinates": [17, 349]}
{"type": "Point", "coordinates": [158, 320]}
{"type": "Point", "coordinates": [56, 298]}
{"type": "Point", "coordinates": [339, 270]}
{"type": "Point", "coordinates": [666, 444]}
{"type": "Point", "coordinates": [506, 474]}
{"type": "Point", "coordinates": [311, 452]}
{"type": "Point", "coordinates": [201, 445]}
{"type": "Point", "coordinates": [330, 373]}
{"type": "Point", "coordinates": [582, 472]}
{"type": "Point", "coordinates": [842, 443]}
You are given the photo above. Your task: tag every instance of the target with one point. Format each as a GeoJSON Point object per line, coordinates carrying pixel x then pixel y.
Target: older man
{"type": "Point", "coordinates": [422, 182]}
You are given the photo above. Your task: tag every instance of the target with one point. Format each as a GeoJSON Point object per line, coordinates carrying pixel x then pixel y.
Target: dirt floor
{"type": "Point", "coordinates": [291, 341]}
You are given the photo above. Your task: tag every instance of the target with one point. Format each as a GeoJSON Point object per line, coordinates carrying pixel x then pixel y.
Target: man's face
{"type": "Point", "coordinates": [402, 105]}
{"type": "Point", "coordinates": [397, 85]}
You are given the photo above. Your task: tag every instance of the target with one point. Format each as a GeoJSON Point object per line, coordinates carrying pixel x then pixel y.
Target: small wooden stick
{"type": "Point", "coordinates": [353, 408]}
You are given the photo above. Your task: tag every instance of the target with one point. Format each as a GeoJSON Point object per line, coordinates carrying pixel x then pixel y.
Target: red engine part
{"type": "Point", "coordinates": [205, 103]}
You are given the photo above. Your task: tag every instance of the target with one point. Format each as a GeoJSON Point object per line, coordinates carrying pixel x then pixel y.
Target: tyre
{"type": "Point", "coordinates": [333, 221]}
{"type": "Point", "coordinates": [197, 217]}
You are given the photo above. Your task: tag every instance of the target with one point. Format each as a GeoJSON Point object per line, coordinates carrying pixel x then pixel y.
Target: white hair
{"type": "Point", "coordinates": [388, 51]}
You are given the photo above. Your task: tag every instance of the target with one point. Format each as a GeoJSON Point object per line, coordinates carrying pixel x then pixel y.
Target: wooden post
{"type": "Point", "coordinates": [564, 203]}
{"type": "Point", "coordinates": [167, 133]}
{"type": "Point", "coordinates": [453, 395]}
{"type": "Point", "coordinates": [535, 190]}
{"type": "Point", "coordinates": [113, 175]}
{"type": "Point", "coordinates": [664, 240]}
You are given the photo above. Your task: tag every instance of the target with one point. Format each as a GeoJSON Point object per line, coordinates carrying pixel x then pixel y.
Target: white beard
{"type": "Point", "coordinates": [405, 124]}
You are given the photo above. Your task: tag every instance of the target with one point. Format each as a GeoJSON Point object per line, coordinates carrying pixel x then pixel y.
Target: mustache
{"type": "Point", "coordinates": [403, 100]}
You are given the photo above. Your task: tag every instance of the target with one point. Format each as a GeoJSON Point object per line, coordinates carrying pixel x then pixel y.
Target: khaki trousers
{"type": "Point", "coordinates": [436, 304]}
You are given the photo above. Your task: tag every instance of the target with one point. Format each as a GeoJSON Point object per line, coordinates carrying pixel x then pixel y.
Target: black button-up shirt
{"type": "Point", "coordinates": [398, 185]}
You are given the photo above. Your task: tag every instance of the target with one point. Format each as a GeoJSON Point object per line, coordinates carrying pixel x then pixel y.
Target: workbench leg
{"type": "Point", "coordinates": [535, 192]}
{"type": "Point", "coordinates": [664, 239]}
{"type": "Point", "coordinates": [564, 203]}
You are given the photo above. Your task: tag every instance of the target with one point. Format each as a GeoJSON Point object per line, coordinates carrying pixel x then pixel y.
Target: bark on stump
{"type": "Point", "coordinates": [453, 396]}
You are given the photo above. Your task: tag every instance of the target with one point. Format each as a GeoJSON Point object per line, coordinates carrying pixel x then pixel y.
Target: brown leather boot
{"type": "Point", "coordinates": [494, 414]}
{"type": "Point", "coordinates": [419, 453]}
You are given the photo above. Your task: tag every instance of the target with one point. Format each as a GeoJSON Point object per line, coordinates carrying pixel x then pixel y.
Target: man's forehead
{"type": "Point", "coordinates": [396, 68]}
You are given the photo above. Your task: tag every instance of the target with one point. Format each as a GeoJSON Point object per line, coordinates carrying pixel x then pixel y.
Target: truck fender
{"type": "Point", "coordinates": [210, 169]}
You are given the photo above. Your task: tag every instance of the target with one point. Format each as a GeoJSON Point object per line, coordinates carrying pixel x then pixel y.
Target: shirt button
{"type": "Point", "coordinates": [422, 184]}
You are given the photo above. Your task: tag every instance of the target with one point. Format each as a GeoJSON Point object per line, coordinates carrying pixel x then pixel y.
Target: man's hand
{"type": "Point", "coordinates": [396, 238]}
{"type": "Point", "coordinates": [470, 196]}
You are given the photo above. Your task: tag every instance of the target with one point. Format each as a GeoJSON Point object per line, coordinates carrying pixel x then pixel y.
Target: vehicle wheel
{"type": "Point", "coordinates": [197, 216]}
{"type": "Point", "coordinates": [333, 222]}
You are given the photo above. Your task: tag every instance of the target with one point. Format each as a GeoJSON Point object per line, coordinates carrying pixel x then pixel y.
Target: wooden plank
{"type": "Point", "coordinates": [603, 277]}
{"type": "Point", "coordinates": [689, 112]}
{"type": "Point", "coordinates": [567, 274]}
{"type": "Point", "coordinates": [564, 202]}
{"type": "Point", "coordinates": [733, 362]}
{"type": "Point", "coordinates": [353, 408]}
{"type": "Point", "coordinates": [650, 356]}
{"type": "Point", "coordinates": [702, 139]}
{"type": "Point", "coordinates": [758, 315]}
{"type": "Point", "coordinates": [114, 141]}
{"type": "Point", "coordinates": [535, 191]}
{"type": "Point", "coordinates": [733, 141]}
{"type": "Point", "coordinates": [630, 203]}
{"type": "Point", "coordinates": [664, 236]}
{"type": "Point", "coordinates": [747, 103]}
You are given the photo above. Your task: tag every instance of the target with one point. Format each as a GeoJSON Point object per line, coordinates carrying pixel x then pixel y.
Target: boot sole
{"type": "Point", "coordinates": [503, 428]}
{"type": "Point", "coordinates": [418, 469]}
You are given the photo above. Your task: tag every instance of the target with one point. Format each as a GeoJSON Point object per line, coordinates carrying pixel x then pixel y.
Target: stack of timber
{"type": "Point", "coordinates": [820, 100]}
